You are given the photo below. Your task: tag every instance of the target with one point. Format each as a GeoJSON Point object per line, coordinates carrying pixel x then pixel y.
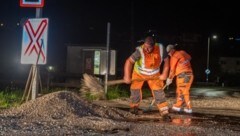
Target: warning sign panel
{"type": "Point", "coordinates": [34, 41]}
{"type": "Point", "coordinates": [32, 3]}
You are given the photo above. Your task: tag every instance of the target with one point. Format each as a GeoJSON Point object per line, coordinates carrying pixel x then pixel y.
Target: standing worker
{"type": "Point", "coordinates": [180, 67]}
{"type": "Point", "coordinates": [143, 64]}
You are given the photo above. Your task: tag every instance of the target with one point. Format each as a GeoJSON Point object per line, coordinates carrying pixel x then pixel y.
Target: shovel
{"type": "Point", "coordinates": [152, 102]}
{"type": "Point", "coordinates": [121, 81]}
{"type": "Point", "coordinates": [91, 85]}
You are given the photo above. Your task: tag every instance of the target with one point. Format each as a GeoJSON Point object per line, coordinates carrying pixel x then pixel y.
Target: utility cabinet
{"type": "Point", "coordinates": [91, 60]}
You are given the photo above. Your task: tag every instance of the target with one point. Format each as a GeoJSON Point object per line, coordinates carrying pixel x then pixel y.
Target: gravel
{"type": "Point", "coordinates": [65, 113]}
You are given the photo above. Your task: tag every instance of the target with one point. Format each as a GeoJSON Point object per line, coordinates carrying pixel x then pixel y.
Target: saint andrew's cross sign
{"type": "Point", "coordinates": [34, 41]}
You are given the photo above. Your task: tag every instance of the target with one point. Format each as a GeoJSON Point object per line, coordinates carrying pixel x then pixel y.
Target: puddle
{"type": "Point", "coordinates": [207, 120]}
{"type": "Point", "coordinates": [195, 119]}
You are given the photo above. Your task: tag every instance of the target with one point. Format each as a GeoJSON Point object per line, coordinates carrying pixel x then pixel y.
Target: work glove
{"type": "Point", "coordinates": [169, 81]}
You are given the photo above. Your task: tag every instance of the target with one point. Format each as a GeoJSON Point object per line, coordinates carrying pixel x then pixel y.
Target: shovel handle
{"type": "Point", "coordinates": [115, 82]}
{"type": "Point", "coordinates": [153, 101]}
{"type": "Point", "coordinates": [121, 81]}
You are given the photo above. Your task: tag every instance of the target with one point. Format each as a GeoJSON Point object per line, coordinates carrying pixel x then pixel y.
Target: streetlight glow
{"type": "Point", "coordinates": [214, 36]}
{"type": "Point", "coordinates": [50, 68]}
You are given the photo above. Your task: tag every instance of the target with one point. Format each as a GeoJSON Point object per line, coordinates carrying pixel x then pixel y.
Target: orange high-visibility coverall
{"type": "Point", "coordinates": [180, 67]}
{"type": "Point", "coordinates": [147, 65]}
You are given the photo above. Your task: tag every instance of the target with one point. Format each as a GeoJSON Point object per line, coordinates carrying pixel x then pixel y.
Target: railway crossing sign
{"type": "Point", "coordinates": [32, 3]}
{"type": "Point", "coordinates": [34, 41]}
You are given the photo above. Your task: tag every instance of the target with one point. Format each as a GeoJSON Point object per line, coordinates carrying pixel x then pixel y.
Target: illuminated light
{"type": "Point", "coordinates": [214, 36]}
{"type": "Point", "coordinates": [1, 24]}
{"type": "Point", "coordinates": [50, 68]}
{"type": "Point", "coordinates": [230, 38]}
{"type": "Point", "coordinates": [18, 24]}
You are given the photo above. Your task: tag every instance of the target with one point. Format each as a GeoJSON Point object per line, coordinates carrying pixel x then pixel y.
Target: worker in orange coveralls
{"type": "Point", "coordinates": [180, 67]}
{"type": "Point", "coordinates": [145, 63]}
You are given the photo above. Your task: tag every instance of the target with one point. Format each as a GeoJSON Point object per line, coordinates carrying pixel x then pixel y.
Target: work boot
{"type": "Point", "coordinates": [175, 109]}
{"type": "Point", "coordinates": [165, 116]}
{"type": "Point", "coordinates": [134, 110]}
{"type": "Point", "coordinates": [187, 110]}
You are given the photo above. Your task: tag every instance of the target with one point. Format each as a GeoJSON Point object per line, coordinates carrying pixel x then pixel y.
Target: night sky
{"type": "Point", "coordinates": [85, 21]}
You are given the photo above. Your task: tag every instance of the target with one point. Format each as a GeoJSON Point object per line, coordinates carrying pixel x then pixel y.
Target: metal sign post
{"type": "Point", "coordinates": [34, 46]}
{"type": "Point", "coordinates": [208, 48]}
{"type": "Point", "coordinates": [107, 58]}
{"type": "Point", "coordinates": [207, 71]}
{"type": "Point", "coordinates": [35, 84]}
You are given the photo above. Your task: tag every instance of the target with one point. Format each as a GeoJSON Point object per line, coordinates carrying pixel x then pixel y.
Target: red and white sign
{"type": "Point", "coordinates": [32, 3]}
{"type": "Point", "coordinates": [34, 41]}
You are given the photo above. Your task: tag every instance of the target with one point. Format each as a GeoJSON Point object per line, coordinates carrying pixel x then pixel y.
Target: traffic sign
{"type": "Point", "coordinates": [207, 71]}
{"type": "Point", "coordinates": [34, 41]}
{"type": "Point", "coordinates": [32, 3]}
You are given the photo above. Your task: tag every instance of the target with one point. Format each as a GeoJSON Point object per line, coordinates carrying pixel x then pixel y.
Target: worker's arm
{"type": "Point", "coordinates": [128, 66]}
{"type": "Point", "coordinates": [165, 71]}
{"type": "Point", "coordinates": [166, 66]}
{"type": "Point", "coordinates": [173, 64]}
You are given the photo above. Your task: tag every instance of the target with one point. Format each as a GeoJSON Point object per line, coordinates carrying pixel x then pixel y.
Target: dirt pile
{"type": "Point", "coordinates": [67, 108]}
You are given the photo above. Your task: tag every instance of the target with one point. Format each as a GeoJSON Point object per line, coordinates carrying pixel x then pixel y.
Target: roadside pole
{"type": "Point", "coordinates": [107, 59]}
{"type": "Point", "coordinates": [34, 46]}
{"type": "Point", "coordinates": [36, 80]}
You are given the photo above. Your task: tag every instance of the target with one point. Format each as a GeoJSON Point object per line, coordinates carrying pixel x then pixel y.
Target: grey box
{"type": "Point", "coordinates": [91, 60]}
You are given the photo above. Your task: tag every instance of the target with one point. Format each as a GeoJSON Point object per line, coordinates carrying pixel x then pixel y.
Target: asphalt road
{"type": "Point", "coordinates": [209, 91]}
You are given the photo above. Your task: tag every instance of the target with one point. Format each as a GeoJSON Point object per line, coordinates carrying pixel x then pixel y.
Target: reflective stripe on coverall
{"type": "Point", "coordinates": [184, 82]}
{"type": "Point", "coordinates": [145, 68]}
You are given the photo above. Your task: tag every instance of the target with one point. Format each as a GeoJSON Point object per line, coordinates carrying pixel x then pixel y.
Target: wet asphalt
{"type": "Point", "coordinates": [203, 119]}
